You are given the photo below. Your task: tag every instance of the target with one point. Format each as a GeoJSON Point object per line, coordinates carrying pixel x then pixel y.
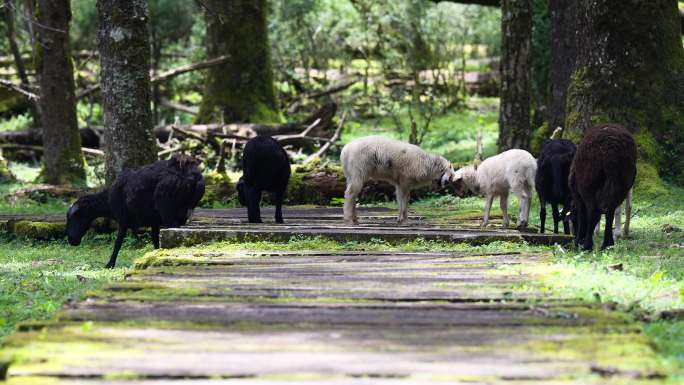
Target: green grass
{"type": "Point", "coordinates": [36, 278]}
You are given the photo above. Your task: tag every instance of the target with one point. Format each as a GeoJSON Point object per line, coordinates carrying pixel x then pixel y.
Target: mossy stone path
{"type": "Point", "coordinates": [375, 223]}
{"type": "Point", "coordinates": [206, 316]}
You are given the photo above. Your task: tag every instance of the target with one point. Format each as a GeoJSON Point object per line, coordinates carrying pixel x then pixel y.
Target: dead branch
{"type": "Point", "coordinates": [313, 95]}
{"type": "Point", "coordinates": [330, 142]}
{"type": "Point", "coordinates": [168, 74]}
{"type": "Point", "coordinates": [14, 87]}
{"type": "Point", "coordinates": [179, 107]}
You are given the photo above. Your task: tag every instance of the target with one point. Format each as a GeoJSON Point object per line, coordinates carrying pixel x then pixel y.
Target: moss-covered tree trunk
{"type": "Point", "coordinates": [563, 53]}
{"type": "Point", "coordinates": [241, 90]}
{"type": "Point", "coordinates": [516, 34]}
{"type": "Point", "coordinates": [62, 158]}
{"type": "Point", "coordinates": [630, 70]}
{"type": "Point", "coordinates": [124, 57]}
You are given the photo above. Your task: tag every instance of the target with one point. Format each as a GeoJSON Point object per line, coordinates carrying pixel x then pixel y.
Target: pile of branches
{"type": "Point", "coordinates": [314, 135]}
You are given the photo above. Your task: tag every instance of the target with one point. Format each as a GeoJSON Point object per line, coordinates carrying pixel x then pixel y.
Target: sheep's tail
{"type": "Point", "coordinates": [530, 174]}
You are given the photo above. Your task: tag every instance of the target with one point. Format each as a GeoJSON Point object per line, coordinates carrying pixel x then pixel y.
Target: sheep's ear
{"type": "Point", "coordinates": [446, 178]}
{"type": "Point", "coordinates": [73, 209]}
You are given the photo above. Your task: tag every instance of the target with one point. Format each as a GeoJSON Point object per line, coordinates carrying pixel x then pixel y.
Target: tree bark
{"type": "Point", "coordinates": [18, 60]}
{"type": "Point", "coordinates": [516, 33]}
{"type": "Point", "coordinates": [241, 90]}
{"type": "Point", "coordinates": [124, 57]}
{"type": "Point", "coordinates": [563, 53]}
{"type": "Point", "coordinates": [62, 158]}
{"type": "Point", "coordinates": [630, 71]}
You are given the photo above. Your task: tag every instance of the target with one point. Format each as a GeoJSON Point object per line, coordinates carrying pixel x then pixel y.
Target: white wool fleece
{"type": "Point", "coordinates": [511, 171]}
{"type": "Point", "coordinates": [404, 165]}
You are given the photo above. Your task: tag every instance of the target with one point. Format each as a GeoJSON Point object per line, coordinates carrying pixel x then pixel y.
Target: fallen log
{"type": "Point", "coordinates": [90, 137]}
{"type": "Point", "coordinates": [29, 147]}
{"type": "Point", "coordinates": [245, 131]}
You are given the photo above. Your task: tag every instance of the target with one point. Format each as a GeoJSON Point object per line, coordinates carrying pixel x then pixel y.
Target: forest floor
{"type": "Point", "coordinates": [503, 310]}
{"type": "Point", "coordinates": [327, 311]}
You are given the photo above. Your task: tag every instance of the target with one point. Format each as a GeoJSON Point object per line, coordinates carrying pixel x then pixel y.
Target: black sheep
{"type": "Point", "coordinates": [161, 194]}
{"type": "Point", "coordinates": [601, 176]}
{"type": "Point", "coordinates": [551, 181]}
{"type": "Point", "coordinates": [265, 167]}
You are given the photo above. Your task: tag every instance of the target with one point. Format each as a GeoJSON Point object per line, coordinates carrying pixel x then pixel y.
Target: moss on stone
{"type": "Point", "coordinates": [648, 183]}
{"type": "Point", "coordinates": [219, 189]}
{"type": "Point", "coordinates": [37, 230]}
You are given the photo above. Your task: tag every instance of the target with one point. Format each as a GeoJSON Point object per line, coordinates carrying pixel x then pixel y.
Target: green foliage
{"type": "Point", "coordinates": [540, 52]}
{"type": "Point", "coordinates": [83, 25]}
{"type": "Point", "coordinates": [16, 122]}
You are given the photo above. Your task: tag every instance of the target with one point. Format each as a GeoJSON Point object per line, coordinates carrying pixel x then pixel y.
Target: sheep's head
{"type": "Point", "coordinates": [242, 195]}
{"type": "Point", "coordinates": [464, 182]}
{"type": "Point", "coordinates": [445, 174]}
{"type": "Point", "coordinates": [78, 221]}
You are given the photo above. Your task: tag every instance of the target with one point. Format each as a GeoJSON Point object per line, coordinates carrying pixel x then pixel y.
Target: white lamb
{"type": "Point", "coordinates": [510, 171]}
{"type": "Point", "coordinates": [403, 165]}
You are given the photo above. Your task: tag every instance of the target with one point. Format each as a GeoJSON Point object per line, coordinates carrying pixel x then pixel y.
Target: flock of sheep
{"type": "Point", "coordinates": [589, 180]}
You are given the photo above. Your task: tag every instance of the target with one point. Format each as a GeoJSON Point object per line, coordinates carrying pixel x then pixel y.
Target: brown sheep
{"type": "Point", "coordinates": [601, 175]}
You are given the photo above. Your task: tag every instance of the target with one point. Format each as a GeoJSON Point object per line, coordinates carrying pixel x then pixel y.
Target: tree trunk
{"type": "Point", "coordinates": [62, 158]}
{"type": "Point", "coordinates": [124, 56]}
{"type": "Point", "coordinates": [18, 61]}
{"type": "Point", "coordinates": [241, 90]}
{"type": "Point", "coordinates": [516, 33]}
{"type": "Point", "coordinates": [630, 71]}
{"type": "Point", "coordinates": [563, 53]}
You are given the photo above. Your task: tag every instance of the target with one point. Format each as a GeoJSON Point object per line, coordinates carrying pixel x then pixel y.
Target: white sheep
{"type": "Point", "coordinates": [510, 171]}
{"type": "Point", "coordinates": [403, 165]}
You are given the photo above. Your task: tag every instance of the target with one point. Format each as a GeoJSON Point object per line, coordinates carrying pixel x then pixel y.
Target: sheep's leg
{"type": "Point", "coordinates": [402, 199]}
{"type": "Point", "coordinates": [593, 216]}
{"type": "Point", "coordinates": [556, 217]}
{"type": "Point", "coordinates": [503, 202]}
{"type": "Point", "coordinates": [542, 215]}
{"type": "Point", "coordinates": [488, 206]}
{"type": "Point", "coordinates": [524, 200]}
{"type": "Point", "coordinates": [565, 219]}
{"type": "Point", "coordinates": [608, 239]}
{"type": "Point", "coordinates": [618, 222]}
{"type": "Point", "coordinates": [580, 226]}
{"type": "Point", "coordinates": [155, 236]}
{"type": "Point", "coordinates": [628, 213]}
{"type": "Point", "coordinates": [121, 234]}
{"type": "Point", "coordinates": [279, 206]}
{"type": "Point", "coordinates": [407, 199]}
{"type": "Point", "coordinates": [350, 195]}
{"type": "Point", "coordinates": [253, 203]}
